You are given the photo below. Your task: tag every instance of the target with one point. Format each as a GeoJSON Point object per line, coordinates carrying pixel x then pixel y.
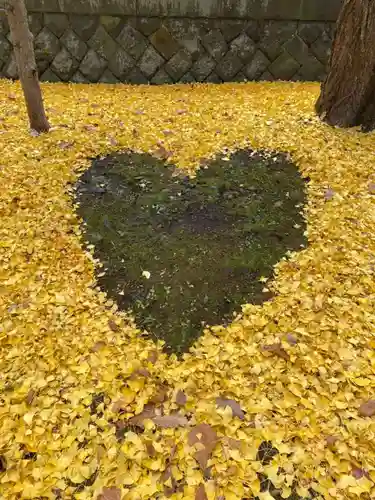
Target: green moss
{"type": "Point", "coordinates": [205, 241]}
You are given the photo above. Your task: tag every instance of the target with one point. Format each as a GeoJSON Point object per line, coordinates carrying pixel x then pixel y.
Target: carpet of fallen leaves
{"type": "Point", "coordinates": [90, 408]}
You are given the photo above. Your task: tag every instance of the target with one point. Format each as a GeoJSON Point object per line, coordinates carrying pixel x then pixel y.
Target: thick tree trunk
{"type": "Point", "coordinates": [24, 53]}
{"type": "Point", "coordinates": [347, 95]}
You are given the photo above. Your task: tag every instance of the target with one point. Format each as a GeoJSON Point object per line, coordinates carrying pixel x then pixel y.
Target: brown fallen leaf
{"type": "Point", "coordinates": [65, 144]}
{"type": "Point", "coordinates": [170, 421]}
{"type": "Point", "coordinates": [291, 339]}
{"type": "Point", "coordinates": [166, 474]}
{"type": "Point", "coordinates": [12, 97]}
{"type": "Point", "coordinates": [358, 472]}
{"type": "Point", "coordinates": [200, 493]}
{"type": "Point", "coordinates": [90, 128]}
{"type": "Point", "coordinates": [202, 457]}
{"type": "Point", "coordinates": [30, 397]}
{"type": "Point", "coordinates": [110, 494]}
{"type": "Point", "coordinates": [3, 463]}
{"type": "Point", "coordinates": [181, 398]}
{"type": "Point", "coordinates": [141, 372]}
{"type": "Point", "coordinates": [233, 443]}
{"type": "Point", "coordinates": [203, 433]}
{"type": "Point", "coordinates": [147, 413]}
{"type": "Point", "coordinates": [152, 357]}
{"type": "Point", "coordinates": [162, 153]}
{"type": "Point", "coordinates": [367, 409]}
{"type": "Point", "coordinates": [277, 350]}
{"type": "Point", "coordinates": [331, 440]}
{"type": "Point", "coordinates": [118, 405]}
{"type": "Point", "coordinates": [97, 346]}
{"type": "Point", "coordinates": [113, 326]}
{"type": "Point", "coordinates": [235, 407]}
{"type": "Point", "coordinates": [371, 188]}
{"type": "Point", "coordinates": [160, 395]}
{"type": "Point", "coordinates": [150, 449]}
{"type": "Point", "coordinates": [329, 194]}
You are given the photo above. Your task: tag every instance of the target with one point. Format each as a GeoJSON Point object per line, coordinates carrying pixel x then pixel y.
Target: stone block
{"type": "Point", "coordinates": [164, 42]}
{"type": "Point", "coordinates": [103, 43]}
{"type": "Point", "coordinates": [173, 8]}
{"type": "Point", "coordinates": [240, 77]}
{"type": "Point", "coordinates": [109, 7]}
{"type": "Point", "coordinates": [321, 48]}
{"type": "Point", "coordinates": [161, 77]}
{"type": "Point", "coordinates": [313, 70]}
{"type": "Point", "coordinates": [4, 26]}
{"type": "Point", "coordinates": [35, 22]}
{"type": "Point", "coordinates": [243, 47]}
{"type": "Point", "coordinates": [46, 45]}
{"type": "Point", "coordinates": [309, 32]}
{"type": "Point", "coordinates": [92, 66]}
{"type": "Point", "coordinates": [320, 10]}
{"type": "Point", "coordinates": [179, 64]}
{"type": "Point", "coordinates": [266, 77]}
{"type": "Point", "coordinates": [74, 44]}
{"type": "Point", "coordinates": [230, 28]}
{"type": "Point", "coordinates": [228, 66]}
{"type": "Point", "coordinates": [150, 62]}
{"type": "Point", "coordinates": [10, 70]}
{"type": "Point", "coordinates": [284, 67]}
{"type": "Point", "coordinates": [132, 41]}
{"type": "Point", "coordinates": [257, 66]}
{"type": "Point", "coordinates": [254, 29]}
{"type": "Point", "coordinates": [121, 63]}
{"type": "Point", "coordinates": [64, 65]}
{"type": "Point", "coordinates": [79, 78]}
{"type": "Point", "coordinates": [57, 23]}
{"type": "Point", "coordinates": [84, 26]}
{"type": "Point", "coordinates": [108, 77]}
{"type": "Point", "coordinates": [297, 48]}
{"type": "Point", "coordinates": [213, 78]}
{"type": "Point", "coordinates": [215, 44]}
{"type": "Point", "coordinates": [187, 78]}
{"type": "Point", "coordinates": [147, 25]}
{"type": "Point", "coordinates": [49, 76]}
{"type": "Point", "coordinates": [203, 67]}
{"type": "Point", "coordinates": [276, 33]}
{"type": "Point", "coordinates": [5, 48]}
{"type": "Point", "coordinates": [111, 24]}
{"type": "Point", "coordinates": [136, 76]}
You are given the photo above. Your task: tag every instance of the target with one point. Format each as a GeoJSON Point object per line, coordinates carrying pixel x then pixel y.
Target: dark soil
{"type": "Point", "coordinates": [206, 241]}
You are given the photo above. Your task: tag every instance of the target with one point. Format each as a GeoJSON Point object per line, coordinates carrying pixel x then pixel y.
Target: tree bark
{"type": "Point", "coordinates": [25, 58]}
{"type": "Point", "coordinates": [347, 97]}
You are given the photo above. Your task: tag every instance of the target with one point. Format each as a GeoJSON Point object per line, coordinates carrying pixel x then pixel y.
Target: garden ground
{"type": "Point", "coordinates": [90, 407]}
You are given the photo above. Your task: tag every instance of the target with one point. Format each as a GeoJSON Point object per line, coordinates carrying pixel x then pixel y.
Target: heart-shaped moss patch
{"type": "Point", "coordinates": [182, 252]}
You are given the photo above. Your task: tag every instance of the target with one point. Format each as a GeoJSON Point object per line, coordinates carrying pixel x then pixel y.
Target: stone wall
{"type": "Point", "coordinates": [167, 41]}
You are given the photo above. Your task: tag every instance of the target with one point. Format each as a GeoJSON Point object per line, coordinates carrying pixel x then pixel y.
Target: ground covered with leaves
{"type": "Point", "coordinates": [279, 402]}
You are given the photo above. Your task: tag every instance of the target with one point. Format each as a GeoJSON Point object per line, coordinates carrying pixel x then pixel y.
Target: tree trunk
{"type": "Point", "coordinates": [347, 97]}
{"type": "Point", "coordinates": [25, 58]}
